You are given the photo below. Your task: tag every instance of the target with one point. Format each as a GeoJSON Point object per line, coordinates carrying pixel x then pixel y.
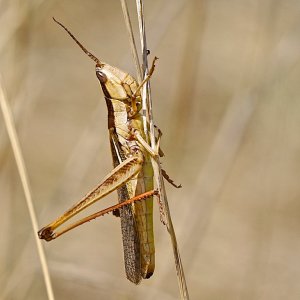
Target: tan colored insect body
{"type": "Point", "coordinates": [132, 174]}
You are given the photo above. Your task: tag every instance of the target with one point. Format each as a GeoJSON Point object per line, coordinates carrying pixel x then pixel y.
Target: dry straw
{"type": "Point", "coordinates": [148, 119]}
{"type": "Point", "coordinates": [15, 144]}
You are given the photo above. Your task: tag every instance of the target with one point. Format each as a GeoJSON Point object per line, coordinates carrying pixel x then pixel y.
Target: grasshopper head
{"type": "Point", "coordinates": [115, 83]}
{"type": "Point", "coordinates": [119, 85]}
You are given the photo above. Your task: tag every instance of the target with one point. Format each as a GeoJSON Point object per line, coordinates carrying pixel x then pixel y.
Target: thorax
{"type": "Point", "coordinates": [123, 125]}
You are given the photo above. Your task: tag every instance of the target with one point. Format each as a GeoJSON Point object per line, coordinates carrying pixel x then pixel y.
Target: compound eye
{"type": "Point", "coordinates": [101, 76]}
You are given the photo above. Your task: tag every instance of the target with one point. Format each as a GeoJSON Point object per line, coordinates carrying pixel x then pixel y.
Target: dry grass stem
{"type": "Point", "coordinates": [11, 130]}
{"type": "Point", "coordinates": [148, 119]}
{"type": "Point", "coordinates": [155, 161]}
{"type": "Point", "coordinates": [131, 39]}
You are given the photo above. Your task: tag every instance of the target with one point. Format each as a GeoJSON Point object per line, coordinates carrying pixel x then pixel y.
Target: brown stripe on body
{"type": "Point", "coordinates": [130, 236]}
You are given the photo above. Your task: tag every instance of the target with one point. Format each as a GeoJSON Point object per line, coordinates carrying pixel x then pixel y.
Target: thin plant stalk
{"type": "Point", "coordinates": [155, 161]}
{"type": "Point", "coordinates": [15, 144]}
{"type": "Point", "coordinates": [149, 125]}
{"type": "Point", "coordinates": [131, 39]}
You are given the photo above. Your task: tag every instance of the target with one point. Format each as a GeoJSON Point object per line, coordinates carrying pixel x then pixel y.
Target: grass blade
{"type": "Point", "coordinates": [148, 119]}
{"type": "Point", "coordinates": [131, 39]}
{"type": "Point", "coordinates": [13, 137]}
{"type": "Point", "coordinates": [155, 162]}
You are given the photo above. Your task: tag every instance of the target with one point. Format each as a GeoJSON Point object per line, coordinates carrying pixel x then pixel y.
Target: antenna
{"type": "Point", "coordinates": [89, 54]}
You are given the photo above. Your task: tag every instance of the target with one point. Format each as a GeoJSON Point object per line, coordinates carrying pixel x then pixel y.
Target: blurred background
{"type": "Point", "coordinates": [226, 96]}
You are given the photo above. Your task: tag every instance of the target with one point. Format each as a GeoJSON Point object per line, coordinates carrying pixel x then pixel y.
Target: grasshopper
{"type": "Point", "coordinates": [132, 175]}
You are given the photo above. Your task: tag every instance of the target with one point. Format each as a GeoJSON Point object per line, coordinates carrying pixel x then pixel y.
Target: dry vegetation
{"type": "Point", "coordinates": [225, 94]}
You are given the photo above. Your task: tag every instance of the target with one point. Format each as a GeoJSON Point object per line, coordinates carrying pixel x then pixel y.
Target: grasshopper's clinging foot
{"type": "Point", "coordinates": [153, 152]}
{"type": "Point", "coordinates": [159, 135]}
{"type": "Point", "coordinates": [146, 79]}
